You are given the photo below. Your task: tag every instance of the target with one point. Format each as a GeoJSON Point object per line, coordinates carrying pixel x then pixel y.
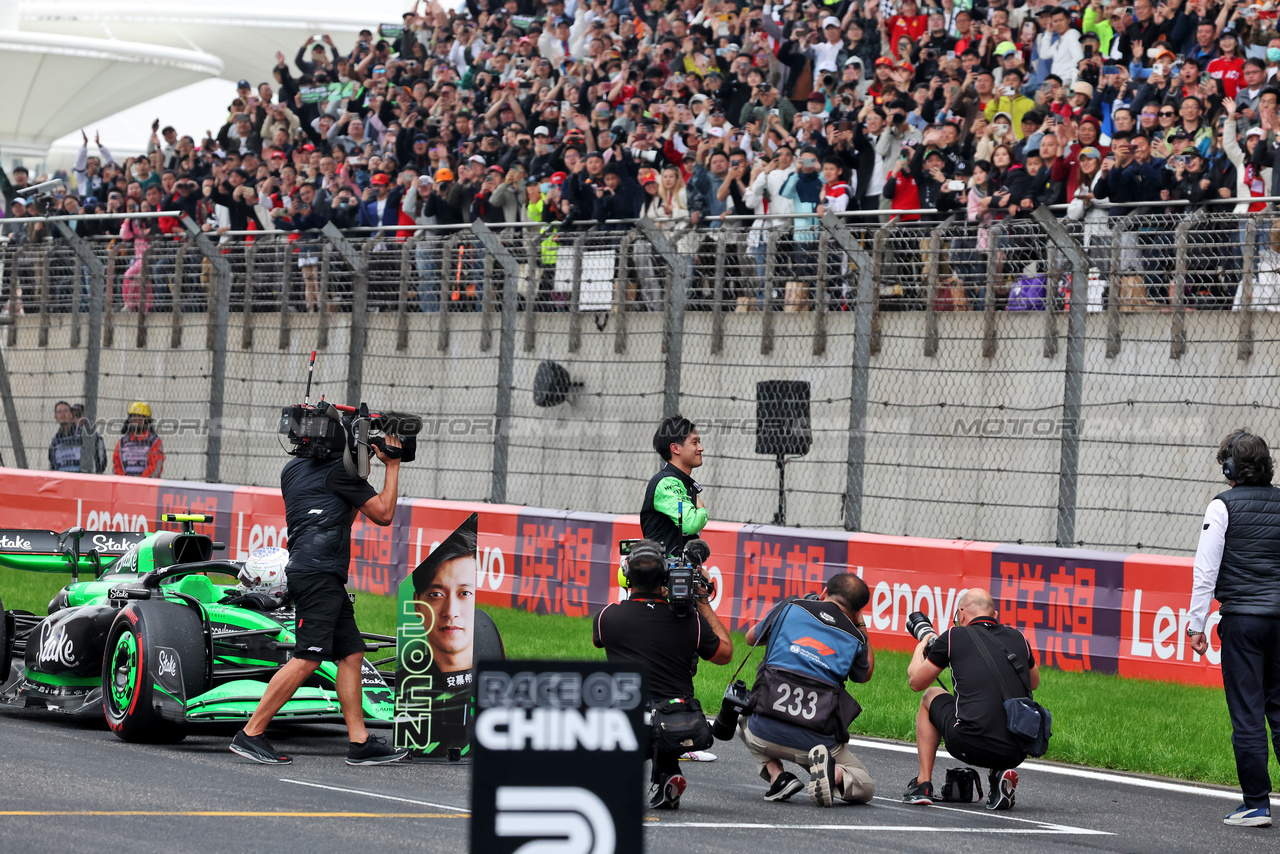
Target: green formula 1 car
{"type": "Point", "coordinates": [160, 637]}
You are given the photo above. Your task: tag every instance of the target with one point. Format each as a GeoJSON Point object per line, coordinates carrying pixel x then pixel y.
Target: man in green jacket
{"type": "Point", "coordinates": [673, 512]}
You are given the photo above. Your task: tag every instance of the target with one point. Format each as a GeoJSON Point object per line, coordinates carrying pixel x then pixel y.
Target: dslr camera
{"type": "Point", "coordinates": [737, 702]}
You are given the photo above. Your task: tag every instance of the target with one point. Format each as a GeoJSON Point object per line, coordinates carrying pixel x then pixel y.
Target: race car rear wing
{"type": "Point", "coordinates": [46, 551]}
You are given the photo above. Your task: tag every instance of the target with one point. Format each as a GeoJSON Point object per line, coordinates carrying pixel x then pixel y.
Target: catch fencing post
{"type": "Point", "coordinates": [93, 348]}
{"type": "Point", "coordinates": [506, 356]}
{"type": "Point", "coordinates": [359, 264]}
{"type": "Point", "coordinates": [220, 320]}
{"type": "Point", "coordinates": [1073, 385]}
{"type": "Point", "coordinates": [682, 272]}
{"type": "Point", "coordinates": [1177, 299]}
{"type": "Point", "coordinates": [1121, 232]}
{"type": "Point", "coordinates": [1244, 348]}
{"type": "Point", "coordinates": [933, 263]}
{"type": "Point", "coordinates": [863, 308]}
{"type": "Point", "coordinates": [11, 411]}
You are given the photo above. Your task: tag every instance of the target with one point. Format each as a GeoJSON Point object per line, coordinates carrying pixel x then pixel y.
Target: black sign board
{"type": "Point", "coordinates": [559, 751]}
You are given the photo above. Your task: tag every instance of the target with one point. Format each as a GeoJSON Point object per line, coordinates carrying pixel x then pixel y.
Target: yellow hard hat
{"type": "Point", "coordinates": [140, 407]}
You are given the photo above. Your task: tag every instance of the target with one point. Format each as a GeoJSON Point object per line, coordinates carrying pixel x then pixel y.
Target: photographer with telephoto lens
{"type": "Point", "coordinates": [988, 661]}
{"type": "Point", "coordinates": [646, 627]}
{"type": "Point", "coordinates": [799, 709]}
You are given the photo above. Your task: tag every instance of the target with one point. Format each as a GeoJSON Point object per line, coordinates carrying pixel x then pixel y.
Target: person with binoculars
{"type": "Point", "coordinates": [978, 722]}
{"type": "Point", "coordinates": [799, 710]}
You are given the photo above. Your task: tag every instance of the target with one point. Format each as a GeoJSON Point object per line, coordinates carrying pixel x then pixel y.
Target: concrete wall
{"type": "Point", "coordinates": [1146, 469]}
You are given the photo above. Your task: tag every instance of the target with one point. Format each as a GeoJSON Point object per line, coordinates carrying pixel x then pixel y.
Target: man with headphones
{"type": "Point", "coordinates": [645, 628]}
{"type": "Point", "coordinates": [1238, 563]}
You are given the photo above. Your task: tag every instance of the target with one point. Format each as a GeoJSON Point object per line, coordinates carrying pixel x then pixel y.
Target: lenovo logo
{"type": "Point", "coordinates": [559, 819]}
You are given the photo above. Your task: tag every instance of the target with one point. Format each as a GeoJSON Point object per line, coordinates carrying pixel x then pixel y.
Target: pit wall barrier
{"type": "Point", "coordinates": [1106, 612]}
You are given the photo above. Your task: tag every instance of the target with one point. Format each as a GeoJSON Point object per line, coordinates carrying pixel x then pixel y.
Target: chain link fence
{"type": "Point", "coordinates": [978, 401]}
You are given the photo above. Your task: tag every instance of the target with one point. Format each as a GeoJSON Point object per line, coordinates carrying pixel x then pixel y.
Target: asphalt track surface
{"type": "Point", "coordinates": [72, 786]}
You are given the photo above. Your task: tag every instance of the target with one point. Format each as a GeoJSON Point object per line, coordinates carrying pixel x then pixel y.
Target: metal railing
{"type": "Point", "coordinates": [1034, 379]}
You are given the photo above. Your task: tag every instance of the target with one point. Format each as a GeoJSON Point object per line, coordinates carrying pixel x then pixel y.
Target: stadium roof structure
{"type": "Point", "coordinates": [57, 83]}
{"type": "Point", "coordinates": [244, 35]}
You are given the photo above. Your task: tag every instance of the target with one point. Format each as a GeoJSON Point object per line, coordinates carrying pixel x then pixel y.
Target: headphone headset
{"type": "Point", "coordinates": [1229, 469]}
{"type": "Point", "coordinates": [639, 549]}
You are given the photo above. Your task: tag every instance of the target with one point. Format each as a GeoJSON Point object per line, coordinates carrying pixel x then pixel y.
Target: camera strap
{"type": "Point", "coordinates": [752, 650]}
{"type": "Point", "coordinates": [982, 640]}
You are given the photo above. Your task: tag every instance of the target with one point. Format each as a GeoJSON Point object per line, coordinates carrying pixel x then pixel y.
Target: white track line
{"type": "Point", "coordinates": [1048, 830]}
{"type": "Point", "coordinates": [1084, 773]}
{"type": "Point", "coordinates": [374, 795]}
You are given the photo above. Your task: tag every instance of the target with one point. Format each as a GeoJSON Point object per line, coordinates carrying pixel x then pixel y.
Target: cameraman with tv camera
{"type": "Point", "coordinates": [799, 709]}
{"type": "Point", "coordinates": [975, 722]}
{"type": "Point", "coordinates": [324, 488]}
{"type": "Point", "coordinates": [668, 623]}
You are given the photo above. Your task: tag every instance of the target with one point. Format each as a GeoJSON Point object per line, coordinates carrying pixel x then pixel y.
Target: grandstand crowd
{"type": "Point", "coordinates": [688, 112]}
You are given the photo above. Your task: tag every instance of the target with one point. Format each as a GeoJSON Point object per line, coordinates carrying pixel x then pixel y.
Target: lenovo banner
{"type": "Point", "coordinates": [1107, 612]}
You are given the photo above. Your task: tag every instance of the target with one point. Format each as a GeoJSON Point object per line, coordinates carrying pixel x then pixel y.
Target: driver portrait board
{"type": "Point", "coordinates": [435, 649]}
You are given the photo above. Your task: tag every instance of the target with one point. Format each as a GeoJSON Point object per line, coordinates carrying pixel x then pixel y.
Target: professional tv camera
{"type": "Point", "coordinates": [39, 197]}
{"type": "Point", "coordinates": [684, 583]}
{"type": "Point", "coordinates": [323, 430]}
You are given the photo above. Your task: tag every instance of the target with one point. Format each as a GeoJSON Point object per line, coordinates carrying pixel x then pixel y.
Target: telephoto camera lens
{"type": "Point", "coordinates": [919, 626]}
{"type": "Point", "coordinates": [737, 699]}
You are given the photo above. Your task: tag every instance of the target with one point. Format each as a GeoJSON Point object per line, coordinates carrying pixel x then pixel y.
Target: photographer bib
{"type": "Point", "coordinates": [812, 650]}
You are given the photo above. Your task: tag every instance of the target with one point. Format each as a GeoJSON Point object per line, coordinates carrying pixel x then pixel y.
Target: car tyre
{"type": "Point", "coordinates": [128, 684]}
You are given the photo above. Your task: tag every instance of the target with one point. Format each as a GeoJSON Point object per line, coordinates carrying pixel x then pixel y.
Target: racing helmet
{"type": "Point", "coordinates": [140, 407]}
{"type": "Point", "coordinates": [263, 572]}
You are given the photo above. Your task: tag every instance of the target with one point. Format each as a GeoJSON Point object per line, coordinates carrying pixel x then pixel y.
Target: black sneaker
{"type": "Point", "coordinates": [1002, 785]}
{"type": "Point", "coordinates": [257, 748]}
{"type": "Point", "coordinates": [784, 787]}
{"type": "Point", "coordinates": [375, 751]}
{"type": "Point", "coordinates": [822, 784]}
{"type": "Point", "coordinates": [919, 793]}
{"type": "Point", "coordinates": [666, 795]}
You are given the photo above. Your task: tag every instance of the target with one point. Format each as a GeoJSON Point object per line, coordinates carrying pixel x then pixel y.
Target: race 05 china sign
{"type": "Point", "coordinates": [559, 757]}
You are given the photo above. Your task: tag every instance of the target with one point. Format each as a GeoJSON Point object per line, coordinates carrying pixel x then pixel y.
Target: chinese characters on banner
{"type": "Point", "coordinates": [1067, 604]}
{"type": "Point", "coordinates": [771, 567]}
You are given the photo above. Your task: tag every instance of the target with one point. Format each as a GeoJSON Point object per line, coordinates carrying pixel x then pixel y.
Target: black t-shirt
{"type": "Point", "coordinates": [979, 702]}
{"type": "Point", "coordinates": [320, 501]}
{"type": "Point", "coordinates": [648, 630]}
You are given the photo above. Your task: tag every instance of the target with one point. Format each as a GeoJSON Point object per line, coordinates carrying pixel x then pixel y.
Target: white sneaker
{"type": "Point", "coordinates": [1245, 817]}
{"type": "Point", "coordinates": [698, 756]}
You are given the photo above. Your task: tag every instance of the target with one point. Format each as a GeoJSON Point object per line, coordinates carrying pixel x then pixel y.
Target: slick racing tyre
{"type": "Point", "coordinates": [142, 636]}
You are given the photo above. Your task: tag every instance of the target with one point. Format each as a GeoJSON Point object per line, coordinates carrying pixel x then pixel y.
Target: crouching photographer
{"type": "Point", "coordinates": [799, 709]}
{"type": "Point", "coordinates": [667, 623]}
{"type": "Point", "coordinates": [990, 721]}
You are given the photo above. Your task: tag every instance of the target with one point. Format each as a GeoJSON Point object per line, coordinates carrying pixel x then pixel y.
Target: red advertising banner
{"type": "Point", "coordinates": [1153, 624]}
{"type": "Point", "coordinates": [1081, 610]}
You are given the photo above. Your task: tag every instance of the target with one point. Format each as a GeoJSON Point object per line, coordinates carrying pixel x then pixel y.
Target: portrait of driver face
{"type": "Point", "coordinates": [447, 606]}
